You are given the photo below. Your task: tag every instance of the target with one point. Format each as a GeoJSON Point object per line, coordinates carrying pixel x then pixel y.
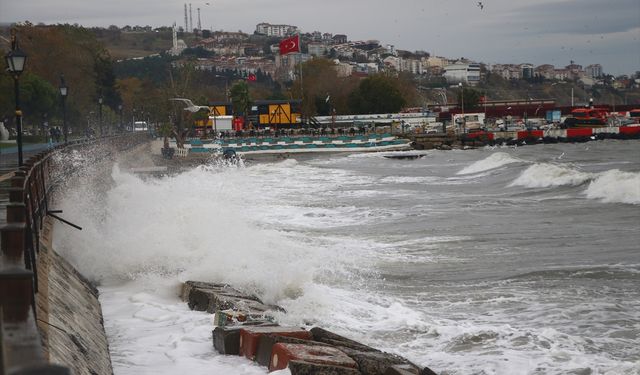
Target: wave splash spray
{"type": "Point", "coordinates": [196, 225]}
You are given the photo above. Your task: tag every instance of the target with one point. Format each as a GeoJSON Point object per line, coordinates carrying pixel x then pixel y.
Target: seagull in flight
{"type": "Point", "coordinates": [480, 5]}
{"type": "Point", "coordinates": [190, 106]}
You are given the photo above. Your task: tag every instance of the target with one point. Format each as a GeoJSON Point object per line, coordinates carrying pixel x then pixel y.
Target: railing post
{"type": "Point", "coordinates": [16, 294]}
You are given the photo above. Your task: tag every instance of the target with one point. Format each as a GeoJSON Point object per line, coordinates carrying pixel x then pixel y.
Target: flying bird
{"type": "Point", "coordinates": [480, 5]}
{"type": "Point", "coordinates": [190, 106]}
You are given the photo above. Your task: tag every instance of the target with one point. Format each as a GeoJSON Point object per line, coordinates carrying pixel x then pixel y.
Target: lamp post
{"type": "Point", "coordinates": [16, 60]}
{"type": "Point", "coordinates": [215, 125]}
{"type": "Point", "coordinates": [464, 122]}
{"type": "Point", "coordinates": [64, 90]}
{"type": "Point", "coordinates": [100, 115]}
{"type": "Point", "coordinates": [120, 110]}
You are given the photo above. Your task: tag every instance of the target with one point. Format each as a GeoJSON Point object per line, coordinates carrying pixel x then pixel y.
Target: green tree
{"type": "Point", "coordinates": [240, 97]}
{"type": "Point", "coordinates": [37, 97]}
{"type": "Point", "coordinates": [378, 93]}
{"type": "Point", "coordinates": [106, 79]}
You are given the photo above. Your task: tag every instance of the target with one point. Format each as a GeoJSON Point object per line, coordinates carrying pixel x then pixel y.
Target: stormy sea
{"type": "Point", "coordinates": [503, 260]}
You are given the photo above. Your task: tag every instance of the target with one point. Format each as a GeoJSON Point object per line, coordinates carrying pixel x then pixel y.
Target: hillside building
{"type": "Point", "coordinates": [462, 72]}
{"type": "Point", "coordinates": [593, 71]}
{"type": "Point", "coordinates": [275, 30]}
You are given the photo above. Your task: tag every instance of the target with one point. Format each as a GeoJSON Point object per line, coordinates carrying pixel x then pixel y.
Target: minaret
{"type": "Point", "coordinates": [175, 38]}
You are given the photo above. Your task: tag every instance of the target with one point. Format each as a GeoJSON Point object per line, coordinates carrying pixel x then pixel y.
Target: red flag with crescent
{"type": "Point", "coordinates": [290, 45]}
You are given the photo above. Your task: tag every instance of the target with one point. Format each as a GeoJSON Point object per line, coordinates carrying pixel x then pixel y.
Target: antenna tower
{"type": "Point", "coordinates": [199, 24]}
{"type": "Point", "coordinates": [186, 23]}
{"type": "Point", "coordinates": [190, 18]}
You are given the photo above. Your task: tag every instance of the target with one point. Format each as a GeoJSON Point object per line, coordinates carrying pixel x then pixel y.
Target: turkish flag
{"type": "Point", "coordinates": [290, 45]}
{"type": "Point", "coordinates": [252, 77]}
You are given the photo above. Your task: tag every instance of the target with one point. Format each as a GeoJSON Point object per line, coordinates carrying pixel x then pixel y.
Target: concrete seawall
{"type": "Point", "coordinates": [69, 314]}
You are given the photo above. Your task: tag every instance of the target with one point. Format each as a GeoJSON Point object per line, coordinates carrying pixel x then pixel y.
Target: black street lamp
{"type": "Point", "coordinates": [100, 115]}
{"type": "Point", "coordinates": [16, 60]}
{"type": "Point", "coordinates": [464, 119]}
{"type": "Point", "coordinates": [64, 90]}
{"type": "Point", "coordinates": [120, 110]}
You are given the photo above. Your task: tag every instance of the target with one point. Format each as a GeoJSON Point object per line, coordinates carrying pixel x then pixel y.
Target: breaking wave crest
{"type": "Point", "coordinates": [615, 186]}
{"type": "Point", "coordinates": [547, 175]}
{"type": "Point", "coordinates": [612, 186]}
{"type": "Point", "coordinates": [495, 160]}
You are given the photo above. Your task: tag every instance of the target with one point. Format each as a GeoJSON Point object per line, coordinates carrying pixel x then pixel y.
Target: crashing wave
{"type": "Point", "coordinates": [495, 160]}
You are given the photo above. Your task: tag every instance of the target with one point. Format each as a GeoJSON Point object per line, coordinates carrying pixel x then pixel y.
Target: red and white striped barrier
{"type": "Point", "coordinates": [576, 132]}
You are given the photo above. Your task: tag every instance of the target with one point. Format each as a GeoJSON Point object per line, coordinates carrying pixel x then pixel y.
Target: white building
{"type": "Point", "coordinates": [317, 49]}
{"type": "Point", "coordinates": [437, 61]}
{"type": "Point", "coordinates": [275, 30]}
{"type": "Point", "coordinates": [462, 72]}
{"type": "Point", "coordinates": [593, 71]}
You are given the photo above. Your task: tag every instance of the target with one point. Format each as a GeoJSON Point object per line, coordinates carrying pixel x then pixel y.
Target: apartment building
{"type": "Point", "coordinates": [275, 30]}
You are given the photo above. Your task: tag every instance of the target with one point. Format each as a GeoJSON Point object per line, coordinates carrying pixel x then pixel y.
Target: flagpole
{"type": "Point", "coordinates": [301, 85]}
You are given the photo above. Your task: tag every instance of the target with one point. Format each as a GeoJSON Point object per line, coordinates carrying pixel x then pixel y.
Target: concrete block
{"type": "Point", "coordinates": [377, 363]}
{"type": "Point", "coordinates": [266, 343]}
{"type": "Point", "coordinates": [230, 317]}
{"type": "Point", "coordinates": [212, 297]}
{"type": "Point", "coordinates": [226, 339]}
{"type": "Point", "coordinates": [408, 369]}
{"type": "Point", "coordinates": [402, 370]}
{"type": "Point", "coordinates": [249, 337]}
{"type": "Point", "coordinates": [283, 353]}
{"type": "Point", "coordinates": [330, 338]}
{"type": "Point", "coordinates": [307, 368]}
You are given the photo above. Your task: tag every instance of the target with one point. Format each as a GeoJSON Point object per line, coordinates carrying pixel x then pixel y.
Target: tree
{"type": "Point", "coordinates": [377, 94]}
{"type": "Point", "coordinates": [321, 80]}
{"type": "Point", "coordinates": [471, 97]}
{"type": "Point", "coordinates": [240, 97]}
{"type": "Point", "coordinates": [38, 97]}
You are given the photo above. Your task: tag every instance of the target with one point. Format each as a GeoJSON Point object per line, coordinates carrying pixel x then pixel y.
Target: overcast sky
{"type": "Point", "coordinates": [502, 31]}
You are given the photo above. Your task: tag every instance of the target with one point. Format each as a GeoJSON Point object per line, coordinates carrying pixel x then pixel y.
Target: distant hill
{"type": "Point", "coordinates": [124, 45]}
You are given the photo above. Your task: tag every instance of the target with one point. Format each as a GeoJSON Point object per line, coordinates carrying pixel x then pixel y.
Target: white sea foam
{"type": "Point", "coordinates": [615, 186]}
{"type": "Point", "coordinates": [152, 332]}
{"type": "Point", "coordinates": [493, 161]}
{"type": "Point", "coordinates": [547, 175]}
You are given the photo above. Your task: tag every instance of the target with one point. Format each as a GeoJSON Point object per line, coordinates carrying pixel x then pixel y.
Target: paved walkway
{"type": "Point", "coordinates": [9, 155]}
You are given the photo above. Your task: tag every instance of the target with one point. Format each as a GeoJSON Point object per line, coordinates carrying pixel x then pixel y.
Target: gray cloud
{"type": "Point", "coordinates": [581, 17]}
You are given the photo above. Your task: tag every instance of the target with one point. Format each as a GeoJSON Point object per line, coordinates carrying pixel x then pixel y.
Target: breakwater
{"type": "Point", "coordinates": [244, 327]}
